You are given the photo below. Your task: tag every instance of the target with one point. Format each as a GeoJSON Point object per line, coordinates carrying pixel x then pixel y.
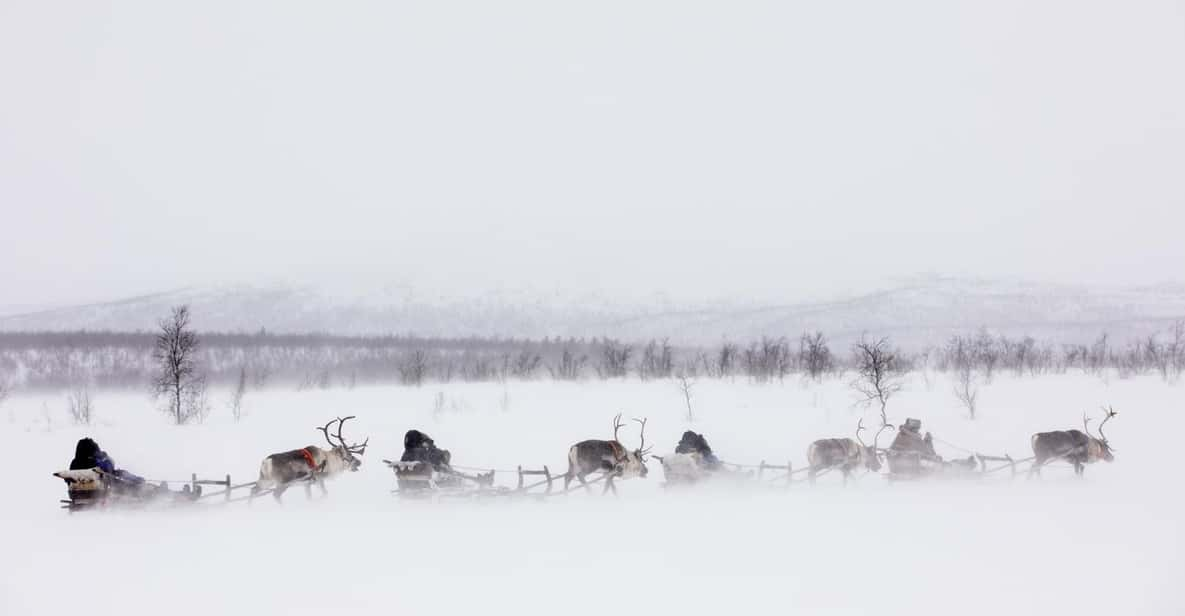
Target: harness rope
{"type": "Point", "coordinates": [953, 446]}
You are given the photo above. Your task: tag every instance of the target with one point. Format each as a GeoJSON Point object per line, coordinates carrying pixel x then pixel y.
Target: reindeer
{"type": "Point", "coordinates": [611, 457]}
{"type": "Point", "coordinates": [843, 453]}
{"type": "Point", "coordinates": [1078, 447]}
{"type": "Point", "coordinates": [312, 463]}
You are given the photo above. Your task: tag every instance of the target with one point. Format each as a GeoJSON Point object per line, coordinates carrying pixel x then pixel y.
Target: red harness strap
{"type": "Point", "coordinates": [308, 457]}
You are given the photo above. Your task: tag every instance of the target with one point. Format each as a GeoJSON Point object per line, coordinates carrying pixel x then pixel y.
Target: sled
{"type": "Point", "coordinates": [94, 489]}
{"type": "Point", "coordinates": [421, 479]}
{"type": "Point", "coordinates": [912, 465]}
{"type": "Point", "coordinates": [687, 469]}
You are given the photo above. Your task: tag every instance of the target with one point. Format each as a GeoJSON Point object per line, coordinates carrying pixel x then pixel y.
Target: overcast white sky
{"type": "Point", "coordinates": [749, 148]}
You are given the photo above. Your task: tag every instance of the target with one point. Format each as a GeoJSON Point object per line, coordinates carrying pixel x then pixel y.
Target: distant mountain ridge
{"type": "Point", "coordinates": [919, 312]}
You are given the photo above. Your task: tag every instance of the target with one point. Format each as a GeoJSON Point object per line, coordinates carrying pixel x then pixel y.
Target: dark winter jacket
{"type": "Point", "coordinates": [87, 454]}
{"type": "Point", "coordinates": [419, 447]}
{"type": "Point", "coordinates": [696, 443]}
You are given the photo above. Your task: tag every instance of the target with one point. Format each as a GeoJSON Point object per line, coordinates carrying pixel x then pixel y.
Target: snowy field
{"type": "Point", "coordinates": [1107, 544]}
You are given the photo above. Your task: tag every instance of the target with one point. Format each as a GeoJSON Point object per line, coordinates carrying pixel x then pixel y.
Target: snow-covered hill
{"type": "Point", "coordinates": [920, 311]}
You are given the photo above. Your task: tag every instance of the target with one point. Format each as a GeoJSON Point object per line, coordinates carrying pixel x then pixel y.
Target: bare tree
{"type": "Point", "coordinates": [1098, 355]}
{"type": "Point", "coordinates": [570, 367]}
{"type": "Point", "coordinates": [768, 359]}
{"type": "Point", "coordinates": [615, 359]}
{"type": "Point", "coordinates": [1153, 352]}
{"type": "Point", "coordinates": [1176, 350]}
{"type": "Point", "coordinates": [685, 386]}
{"type": "Point", "coordinates": [987, 353]}
{"type": "Point", "coordinates": [78, 403]}
{"type": "Point", "coordinates": [878, 373]}
{"type": "Point", "coordinates": [726, 359]}
{"type": "Point", "coordinates": [657, 361]}
{"type": "Point", "coordinates": [236, 396]}
{"type": "Point", "coordinates": [414, 368]}
{"type": "Point", "coordinates": [178, 377]}
{"type": "Point", "coordinates": [966, 389]}
{"type": "Point", "coordinates": [814, 356]}
{"type": "Point", "coordinates": [1022, 354]}
{"type": "Point", "coordinates": [5, 388]}
{"type": "Point", "coordinates": [525, 364]}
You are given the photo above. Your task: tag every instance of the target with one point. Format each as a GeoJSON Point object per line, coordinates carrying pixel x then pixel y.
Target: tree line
{"type": "Point", "coordinates": [175, 358]}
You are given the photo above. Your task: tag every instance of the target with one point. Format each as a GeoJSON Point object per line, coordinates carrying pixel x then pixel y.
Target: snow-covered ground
{"type": "Point", "coordinates": [1108, 544]}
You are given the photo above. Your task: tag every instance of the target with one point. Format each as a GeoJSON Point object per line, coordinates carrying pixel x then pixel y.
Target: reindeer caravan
{"type": "Point", "coordinates": [911, 456]}
{"type": "Point", "coordinates": [94, 482]}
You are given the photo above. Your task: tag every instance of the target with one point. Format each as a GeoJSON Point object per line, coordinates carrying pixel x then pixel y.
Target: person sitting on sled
{"type": "Point", "coordinates": [419, 447]}
{"type": "Point", "coordinates": [909, 439]}
{"type": "Point", "coordinates": [696, 443]}
{"type": "Point", "coordinates": [88, 454]}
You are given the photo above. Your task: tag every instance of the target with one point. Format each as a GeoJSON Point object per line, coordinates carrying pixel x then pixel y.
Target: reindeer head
{"type": "Point", "coordinates": [343, 455]}
{"type": "Point", "coordinates": [634, 464]}
{"type": "Point", "coordinates": [1106, 452]}
{"type": "Point", "coordinates": [872, 459]}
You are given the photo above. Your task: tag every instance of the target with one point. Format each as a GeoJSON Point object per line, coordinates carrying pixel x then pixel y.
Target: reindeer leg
{"type": "Point", "coordinates": [584, 483]}
{"type": "Point", "coordinates": [1035, 469]}
{"type": "Point", "coordinates": [609, 486]}
{"type": "Point", "coordinates": [321, 484]}
{"type": "Point", "coordinates": [278, 492]}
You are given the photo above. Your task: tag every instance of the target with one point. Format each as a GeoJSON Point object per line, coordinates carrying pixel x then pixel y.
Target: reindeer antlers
{"type": "Point", "coordinates": [1086, 424]}
{"type": "Point", "coordinates": [356, 449]}
{"type": "Point", "coordinates": [341, 441]}
{"type": "Point", "coordinates": [1110, 413]}
{"type": "Point", "coordinates": [859, 429]}
{"type": "Point", "coordinates": [617, 425]}
{"type": "Point", "coordinates": [325, 431]}
{"type": "Point", "coordinates": [642, 448]}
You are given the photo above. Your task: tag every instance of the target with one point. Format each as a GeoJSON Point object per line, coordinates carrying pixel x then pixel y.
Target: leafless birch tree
{"type": "Point", "coordinates": [966, 389]}
{"type": "Point", "coordinates": [814, 356]}
{"type": "Point", "coordinates": [237, 395]}
{"type": "Point", "coordinates": [179, 379]}
{"type": "Point", "coordinates": [685, 386]}
{"type": "Point", "coordinates": [878, 373]}
{"type": "Point", "coordinates": [78, 404]}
